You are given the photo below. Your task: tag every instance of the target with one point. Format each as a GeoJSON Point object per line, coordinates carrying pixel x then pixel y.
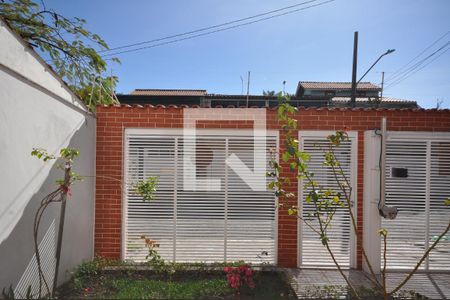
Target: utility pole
{"type": "Point", "coordinates": [112, 85]}
{"type": "Point", "coordinates": [248, 86]}
{"type": "Point", "coordinates": [382, 86]}
{"type": "Point", "coordinates": [355, 61]}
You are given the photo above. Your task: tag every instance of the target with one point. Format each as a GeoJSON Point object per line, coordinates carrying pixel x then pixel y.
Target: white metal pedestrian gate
{"type": "Point", "coordinates": [231, 224]}
{"type": "Point", "coordinates": [311, 251]}
{"type": "Point", "coordinates": [417, 183]}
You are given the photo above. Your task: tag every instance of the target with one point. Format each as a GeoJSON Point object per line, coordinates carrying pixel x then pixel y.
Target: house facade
{"type": "Point", "coordinates": [338, 94]}
{"type": "Point", "coordinates": [223, 218]}
{"type": "Point", "coordinates": [328, 90]}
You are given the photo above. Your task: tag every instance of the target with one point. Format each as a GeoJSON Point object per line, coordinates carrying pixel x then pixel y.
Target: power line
{"type": "Point", "coordinates": [394, 84]}
{"type": "Point", "coordinates": [218, 30]}
{"type": "Point", "coordinates": [420, 65]}
{"type": "Point", "coordinates": [398, 73]}
{"type": "Point", "coordinates": [208, 28]}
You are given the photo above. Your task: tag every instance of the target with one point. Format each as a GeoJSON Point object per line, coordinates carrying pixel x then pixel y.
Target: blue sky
{"type": "Point", "coordinates": [311, 45]}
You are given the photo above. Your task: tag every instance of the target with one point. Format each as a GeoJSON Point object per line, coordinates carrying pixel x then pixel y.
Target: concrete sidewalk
{"type": "Point", "coordinates": [431, 285]}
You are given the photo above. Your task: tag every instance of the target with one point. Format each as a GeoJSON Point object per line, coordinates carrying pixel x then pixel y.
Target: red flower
{"type": "Point", "coordinates": [239, 276]}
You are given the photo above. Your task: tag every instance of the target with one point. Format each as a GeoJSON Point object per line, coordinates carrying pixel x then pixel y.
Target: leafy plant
{"type": "Point", "coordinates": [42, 153]}
{"type": "Point", "coordinates": [90, 269]}
{"type": "Point", "coordinates": [67, 155]}
{"type": "Point", "coordinates": [144, 188]}
{"type": "Point", "coordinates": [9, 294]}
{"type": "Point", "coordinates": [68, 45]}
{"type": "Point", "coordinates": [147, 188]}
{"type": "Point", "coordinates": [447, 202]}
{"type": "Point", "coordinates": [239, 277]}
{"type": "Point", "coordinates": [153, 258]}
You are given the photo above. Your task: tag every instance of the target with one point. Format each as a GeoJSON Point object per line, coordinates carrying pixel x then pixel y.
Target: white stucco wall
{"type": "Point", "coordinates": [38, 110]}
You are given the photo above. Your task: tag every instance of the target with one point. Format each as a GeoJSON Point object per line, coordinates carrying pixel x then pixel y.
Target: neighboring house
{"type": "Point", "coordinates": [337, 94]}
{"type": "Point", "coordinates": [223, 218]}
{"type": "Point", "coordinates": [308, 94]}
{"type": "Point", "coordinates": [194, 97]}
{"type": "Point", "coordinates": [164, 96]}
{"type": "Point", "coordinates": [326, 90]}
{"type": "Point", "coordinates": [39, 110]}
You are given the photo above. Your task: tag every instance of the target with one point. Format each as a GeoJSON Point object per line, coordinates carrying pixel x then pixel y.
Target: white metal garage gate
{"type": "Point", "coordinates": [417, 183]}
{"type": "Point", "coordinates": [235, 223]}
{"type": "Point", "coordinates": [311, 251]}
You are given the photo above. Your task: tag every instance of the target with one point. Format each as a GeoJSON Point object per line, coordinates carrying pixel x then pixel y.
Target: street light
{"type": "Point", "coordinates": [389, 51]}
{"type": "Point", "coordinates": [355, 59]}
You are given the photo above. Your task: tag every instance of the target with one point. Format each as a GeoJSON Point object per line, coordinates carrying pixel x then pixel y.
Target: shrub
{"type": "Point", "coordinates": [239, 277]}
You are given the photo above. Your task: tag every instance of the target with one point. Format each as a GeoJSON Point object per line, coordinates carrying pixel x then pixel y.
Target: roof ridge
{"type": "Point", "coordinates": [170, 90]}
{"type": "Point", "coordinates": [159, 106]}
{"type": "Point", "coordinates": [384, 99]}
{"type": "Point", "coordinates": [302, 81]}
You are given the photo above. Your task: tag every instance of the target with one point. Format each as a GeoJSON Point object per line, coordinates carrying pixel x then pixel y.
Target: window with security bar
{"type": "Point", "coordinates": [205, 225]}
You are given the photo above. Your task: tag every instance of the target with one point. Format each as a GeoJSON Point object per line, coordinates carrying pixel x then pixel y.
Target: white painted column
{"type": "Point", "coordinates": [372, 220]}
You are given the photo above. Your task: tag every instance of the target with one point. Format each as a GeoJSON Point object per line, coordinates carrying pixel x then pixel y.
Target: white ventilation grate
{"type": "Point", "coordinates": [439, 215]}
{"type": "Point", "coordinates": [419, 198]}
{"type": "Point", "coordinates": [312, 252]}
{"type": "Point", "coordinates": [234, 223]}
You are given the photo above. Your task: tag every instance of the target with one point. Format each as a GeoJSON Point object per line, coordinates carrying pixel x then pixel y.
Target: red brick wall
{"type": "Point", "coordinates": [112, 120]}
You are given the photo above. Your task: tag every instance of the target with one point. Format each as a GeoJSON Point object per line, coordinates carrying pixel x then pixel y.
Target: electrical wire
{"type": "Point", "coordinates": [400, 70]}
{"type": "Point", "coordinates": [394, 84]}
{"type": "Point", "coordinates": [208, 27]}
{"type": "Point", "coordinates": [217, 30]}
{"type": "Point", "coordinates": [418, 66]}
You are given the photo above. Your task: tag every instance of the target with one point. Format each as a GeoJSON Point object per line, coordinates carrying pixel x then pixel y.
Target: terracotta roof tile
{"type": "Point", "coordinates": [445, 110]}
{"type": "Point", "coordinates": [163, 92]}
{"type": "Point", "coordinates": [320, 85]}
{"type": "Point", "coordinates": [364, 99]}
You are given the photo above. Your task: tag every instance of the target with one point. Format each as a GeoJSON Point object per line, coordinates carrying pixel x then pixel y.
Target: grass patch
{"type": "Point", "coordinates": [158, 289]}
{"type": "Point", "coordinates": [90, 281]}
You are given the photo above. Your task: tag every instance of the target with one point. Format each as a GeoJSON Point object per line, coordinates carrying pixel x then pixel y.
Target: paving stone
{"type": "Point", "coordinates": [431, 285]}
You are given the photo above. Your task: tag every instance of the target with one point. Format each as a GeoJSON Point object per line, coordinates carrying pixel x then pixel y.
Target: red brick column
{"type": "Point", "coordinates": [108, 192]}
{"type": "Point", "coordinates": [111, 124]}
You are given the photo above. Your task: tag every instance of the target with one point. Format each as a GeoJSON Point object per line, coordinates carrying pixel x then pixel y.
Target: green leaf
{"type": "Point", "coordinates": [293, 166]}
{"type": "Point", "coordinates": [146, 189]}
{"type": "Point", "coordinates": [70, 57]}
{"type": "Point", "coordinates": [304, 156]}
{"type": "Point", "coordinates": [286, 156]}
{"type": "Point", "coordinates": [292, 211]}
{"type": "Point", "coordinates": [308, 199]}
{"type": "Point", "coordinates": [291, 149]}
{"type": "Point", "coordinates": [383, 232]}
{"type": "Point", "coordinates": [324, 239]}
{"type": "Point", "coordinates": [336, 200]}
